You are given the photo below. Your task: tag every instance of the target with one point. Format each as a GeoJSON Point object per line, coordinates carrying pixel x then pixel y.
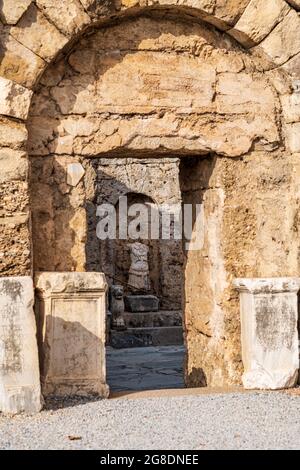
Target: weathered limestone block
{"type": "Point", "coordinates": [280, 81]}
{"type": "Point", "coordinates": [14, 99]}
{"type": "Point", "coordinates": [19, 367]}
{"type": "Point", "coordinates": [291, 107]}
{"type": "Point", "coordinates": [13, 165]}
{"type": "Point", "coordinates": [235, 91]}
{"type": "Point", "coordinates": [258, 20]}
{"type": "Point", "coordinates": [229, 10]}
{"type": "Point", "coordinates": [69, 17]}
{"type": "Point", "coordinates": [292, 134]}
{"type": "Point", "coordinates": [12, 134]}
{"type": "Point", "coordinates": [127, 87]}
{"type": "Point", "coordinates": [71, 333]}
{"type": "Point", "coordinates": [18, 63]}
{"type": "Point", "coordinates": [284, 41]}
{"type": "Point", "coordinates": [12, 10]}
{"type": "Point", "coordinates": [15, 244]}
{"type": "Point", "coordinates": [38, 34]}
{"type": "Point", "coordinates": [269, 318]}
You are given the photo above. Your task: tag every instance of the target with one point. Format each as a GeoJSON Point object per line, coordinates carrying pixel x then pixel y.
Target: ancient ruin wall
{"type": "Point", "coordinates": [33, 33]}
{"type": "Point", "coordinates": [232, 102]}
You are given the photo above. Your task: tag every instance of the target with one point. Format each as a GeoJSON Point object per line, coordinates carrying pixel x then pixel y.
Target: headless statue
{"type": "Point", "coordinates": [139, 269]}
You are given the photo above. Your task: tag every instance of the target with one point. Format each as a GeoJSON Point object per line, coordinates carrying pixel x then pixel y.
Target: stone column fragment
{"type": "Point", "coordinates": [71, 311]}
{"type": "Point", "coordinates": [19, 367]}
{"type": "Point", "coordinates": [269, 315]}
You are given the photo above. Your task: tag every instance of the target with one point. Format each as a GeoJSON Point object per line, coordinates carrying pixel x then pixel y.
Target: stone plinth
{"type": "Point", "coordinates": [19, 366]}
{"type": "Point", "coordinates": [269, 332]}
{"type": "Point", "coordinates": [70, 309]}
{"type": "Point", "coordinates": [141, 303]}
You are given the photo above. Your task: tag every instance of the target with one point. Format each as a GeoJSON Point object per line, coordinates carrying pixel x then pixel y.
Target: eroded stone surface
{"type": "Point", "coordinates": [38, 34]}
{"type": "Point", "coordinates": [284, 41]}
{"type": "Point", "coordinates": [153, 85]}
{"type": "Point", "coordinates": [14, 99]}
{"type": "Point", "coordinates": [269, 318]}
{"type": "Point", "coordinates": [12, 10]}
{"type": "Point", "coordinates": [71, 330]}
{"type": "Point", "coordinates": [118, 95]}
{"type": "Point", "coordinates": [12, 134]}
{"type": "Point", "coordinates": [13, 165]}
{"type": "Point", "coordinates": [293, 137]}
{"type": "Point", "coordinates": [18, 63]}
{"type": "Point", "coordinates": [19, 367]}
{"type": "Point", "coordinates": [123, 83]}
{"type": "Point", "coordinates": [258, 20]}
{"type": "Point", "coordinates": [69, 17]}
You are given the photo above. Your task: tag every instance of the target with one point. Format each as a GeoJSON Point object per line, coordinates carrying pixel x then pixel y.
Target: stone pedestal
{"type": "Point", "coordinates": [71, 313]}
{"type": "Point", "coordinates": [269, 316]}
{"type": "Point", "coordinates": [141, 303]}
{"type": "Point", "coordinates": [19, 367]}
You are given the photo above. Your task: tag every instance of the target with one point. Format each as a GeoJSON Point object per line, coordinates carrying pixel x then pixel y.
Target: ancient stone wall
{"type": "Point", "coordinates": [168, 84]}
{"type": "Point", "coordinates": [250, 227]}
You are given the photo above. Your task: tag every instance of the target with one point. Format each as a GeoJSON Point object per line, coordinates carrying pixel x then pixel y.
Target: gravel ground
{"type": "Point", "coordinates": [222, 421]}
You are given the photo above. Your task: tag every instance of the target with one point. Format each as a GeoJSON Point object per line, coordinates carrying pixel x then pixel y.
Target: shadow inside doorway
{"type": "Point", "coordinates": [148, 368]}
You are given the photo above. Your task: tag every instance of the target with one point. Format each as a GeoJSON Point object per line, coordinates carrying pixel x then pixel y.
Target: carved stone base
{"type": "Point", "coordinates": [71, 315]}
{"type": "Point", "coordinates": [269, 318]}
{"type": "Point", "coordinates": [19, 368]}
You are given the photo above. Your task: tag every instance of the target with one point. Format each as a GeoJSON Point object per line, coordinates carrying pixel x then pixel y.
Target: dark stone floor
{"type": "Point", "coordinates": [150, 368]}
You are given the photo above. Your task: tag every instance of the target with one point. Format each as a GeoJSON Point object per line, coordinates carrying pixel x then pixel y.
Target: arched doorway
{"type": "Point", "coordinates": [163, 88]}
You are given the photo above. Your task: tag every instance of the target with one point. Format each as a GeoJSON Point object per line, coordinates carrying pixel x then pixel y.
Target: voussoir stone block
{"type": "Point", "coordinates": [18, 63]}
{"type": "Point", "coordinates": [19, 366]}
{"type": "Point", "coordinates": [269, 315]}
{"type": "Point", "coordinates": [38, 34]}
{"type": "Point", "coordinates": [69, 17]}
{"type": "Point", "coordinates": [284, 41]}
{"type": "Point", "coordinates": [230, 10]}
{"type": "Point", "coordinates": [12, 10]}
{"type": "Point", "coordinates": [258, 20]}
{"type": "Point", "coordinates": [71, 315]}
{"type": "Point", "coordinates": [14, 99]}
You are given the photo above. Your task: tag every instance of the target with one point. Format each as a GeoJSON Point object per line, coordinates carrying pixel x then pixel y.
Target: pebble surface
{"type": "Point", "coordinates": [193, 422]}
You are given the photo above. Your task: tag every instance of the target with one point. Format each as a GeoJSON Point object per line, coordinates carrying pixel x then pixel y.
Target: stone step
{"type": "Point", "coordinates": [141, 337]}
{"type": "Point", "coordinates": [153, 319]}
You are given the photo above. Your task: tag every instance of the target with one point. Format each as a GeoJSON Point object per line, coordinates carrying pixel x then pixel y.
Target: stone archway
{"type": "Point", "coordinates": [246, 240]}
